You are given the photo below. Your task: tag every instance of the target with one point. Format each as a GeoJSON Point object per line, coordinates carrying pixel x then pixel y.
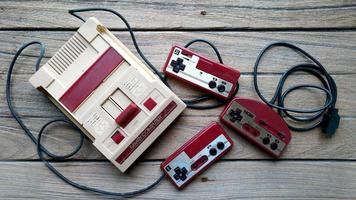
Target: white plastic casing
{"type": "Point", "coordinates": [129, 83]}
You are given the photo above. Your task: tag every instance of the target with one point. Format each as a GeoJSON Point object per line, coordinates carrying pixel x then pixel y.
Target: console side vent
{"type": "Point", "coordinates": [67, 54]}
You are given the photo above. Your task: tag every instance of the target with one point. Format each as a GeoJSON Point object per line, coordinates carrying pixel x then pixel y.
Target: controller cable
{"type": "Point", "coordinates": [45, 155]}
{"type": "Point", "coordinates": [325, 116]}
{"type": "Point", "coordinates": [43, 151]}
{"type": "Point", "coordinates": [191, 103]}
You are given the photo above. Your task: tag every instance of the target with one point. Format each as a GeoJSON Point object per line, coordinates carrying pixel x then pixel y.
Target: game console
{"type": "Point", "coordinates": [108, 93]}
{"type": "Point", "coordinates": [196, 155]}
{"type": "Point", "coordinates": [258, 123]}
{"type": "Point", "coordinates": [204, 73]}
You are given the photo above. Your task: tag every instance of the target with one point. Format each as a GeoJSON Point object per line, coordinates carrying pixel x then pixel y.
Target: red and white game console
{"type": "Point", "coordinates": [259, 123]}
{"type": "Point", "coordinates": [108, 93]}
{"type": "Point", "coordinates": [196, 155]}
{"type": "Point", "coordinates": [204, 73]}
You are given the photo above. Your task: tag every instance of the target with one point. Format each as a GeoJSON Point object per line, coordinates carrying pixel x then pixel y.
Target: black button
{"type": "Point", "coordinates": [177, 65]}
{"type": "Point", "coordinates": [183, 177]}
{"type": "Point", "coordinates": [265, 140]}
{"type": "Point", "coordinates": [174, 63]}
{"type": "Point", "coordinates": [213, 151]}
{"type": "Point", "coordinates": [212, 84]}
{"type": "Point", "coordinates": [274, 146]}
{"type": "Point", "coordinates": [235, 115]}
{"type": "Point", "coordinates": [177, 170]}
{"type": "Point", "coordinates": [176, 69]}
{"type": "Point", "coordinates": [179, 60]}
{"type": "Point", "coordinates": [176, 176]}
{"type": "Point", "coordinates": [184, 171]}
{"type": "Point", "coordinates": [220, 145]}
{"type": "Point", "coordinates": [232, 114]}
{"type": "Point", "coordinates": [221, 88]}
{"type": "Point", "coordinates": [239, 117]}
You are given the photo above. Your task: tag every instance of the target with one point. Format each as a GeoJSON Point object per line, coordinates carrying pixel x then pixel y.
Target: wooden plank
{"type": "Point", "coordinates": [159, 14]}
{"type": "Point", "coordinates": [304, 145]}
{"type": "Point", "coordinates": [32, 103]}
{"type": "Point", "coordinates": [336, 50]}
{"type": "Point", "coordinates": [15, 145]}
{"type": "Point", "coordinates": [233, 26]}
{"type": "Point", "coordinates": [239, 180]}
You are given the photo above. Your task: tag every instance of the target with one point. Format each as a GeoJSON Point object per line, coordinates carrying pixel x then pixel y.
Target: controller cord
{"type": "Point", "coordinates": [325, 116]}
{"type": "Point", "coordinates": [191, 103]}
{"type": "Point", "coordinates": [45, 155]}
{"type": "Point", "coordinates": [44, 152]}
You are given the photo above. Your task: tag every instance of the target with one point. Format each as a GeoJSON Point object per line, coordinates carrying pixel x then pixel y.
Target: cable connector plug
{"type": "Point", "coordinates": [331, 120]}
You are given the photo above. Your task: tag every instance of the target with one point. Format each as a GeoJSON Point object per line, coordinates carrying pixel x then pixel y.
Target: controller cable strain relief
{"type": "Point", "coordinates": [330, 122]}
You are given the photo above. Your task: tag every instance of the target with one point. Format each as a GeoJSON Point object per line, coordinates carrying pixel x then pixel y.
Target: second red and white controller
{"type": "Point", "coordinates": [196, 155]}
{"type": "Point", "coordinates": [202, 72]}
{"type": "Point", "coordinates": [258, 123]}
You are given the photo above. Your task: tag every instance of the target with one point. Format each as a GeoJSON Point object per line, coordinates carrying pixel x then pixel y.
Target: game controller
{"type": "Point", "coordinates": [204, 73]}
{"type": "Point", "coordinates": [259, 123]}
{"type": "Point", "coordinates": [196, 155]}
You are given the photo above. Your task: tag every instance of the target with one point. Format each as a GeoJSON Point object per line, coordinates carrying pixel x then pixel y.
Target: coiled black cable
{"type": "Point", "coordinates": [42, 151]}
{"type": "Point", "coordinates": [191, 103]}
{"type": "Point", "coordinates": [318, 117]}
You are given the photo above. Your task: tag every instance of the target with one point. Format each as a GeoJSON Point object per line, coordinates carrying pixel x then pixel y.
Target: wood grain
{"type": "Point", "coordinates": [15, 145]}
{"type": "Point", "coordinates": [160, 14]}
{"type": "Point", "coordinates": [239, 180]}
{"type": "Point", "coordinates": [31, 103]}
{"type": "Point", "coordinates": [37, 109]}
{"type": "Point", "coordinates": [335, 50]}
{"type": "Point", "coordinates": [312, 167]}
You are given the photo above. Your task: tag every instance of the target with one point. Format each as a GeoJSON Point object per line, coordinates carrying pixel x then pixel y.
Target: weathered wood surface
{"type": "Point", "coordinates": [37, 110]}
{"type": "Point", "coordinates": [226, 180]}
{"type": "Point", "coordinates": [336, 50]}
{"type": "Point", "coordinates": [32, 103]}
{"type": "Point", "coordinates": [314, 167]}
{"type": "Point", "coordinates": [185, 14]}
{"type": "Point", "coordinates": [311, 145]}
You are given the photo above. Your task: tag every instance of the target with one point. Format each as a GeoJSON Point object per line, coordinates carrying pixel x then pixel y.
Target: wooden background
{"type": "Point", "coordinates": [312, 167]}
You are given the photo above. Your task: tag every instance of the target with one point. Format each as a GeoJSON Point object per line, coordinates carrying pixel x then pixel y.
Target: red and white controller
{"type": "Point", "coordinates": [258, 123]}
{"type": "Point", "coordinates": [196, 155]}
{"type": "Point", "coordinates": [206, 74]}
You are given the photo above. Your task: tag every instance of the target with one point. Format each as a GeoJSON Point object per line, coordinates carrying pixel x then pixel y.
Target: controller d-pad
{"type": "Point", "coordinates": [177, 170]}
{"type": "Point", "coordinates": [176, 177]}
{"type": "Point", "coordinates": [235, 115]}
{"type": "Point", "coordinates": [184, 171]}
{"type": "Point", "coordinates": [180, 173]}
{"type": "Point", "coordinates": [183, 177]}
{"type": "Point", "coordinates": [178, 65]}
